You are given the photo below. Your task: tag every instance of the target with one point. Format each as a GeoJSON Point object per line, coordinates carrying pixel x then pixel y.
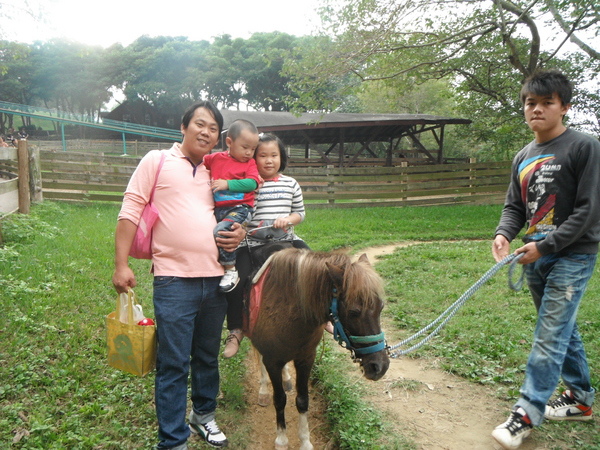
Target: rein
{"type": "Point", "coordinates": [453, 309]}
{"type": "Point", "coordinates": [377, 341]}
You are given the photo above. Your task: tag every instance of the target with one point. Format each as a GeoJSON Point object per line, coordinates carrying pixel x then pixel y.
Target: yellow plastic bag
{"type": "Point", "coordinates": [131, 347]}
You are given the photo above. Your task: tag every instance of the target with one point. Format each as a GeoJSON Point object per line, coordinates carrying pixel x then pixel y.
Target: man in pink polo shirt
{"type": "Point", "coordinates": [188, 306]}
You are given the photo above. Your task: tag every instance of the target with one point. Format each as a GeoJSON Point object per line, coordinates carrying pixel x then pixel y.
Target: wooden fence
{"type": "Point", "coordinates": [134, 147]}
{"type": "Point", "coordinates": [9, 181]}
{"type": "Point", "coordinates": [477, 183]}
{"type": "Point", "coordinates": [19, 178]}
{"type": "Point", "coordinates": [97, 177]}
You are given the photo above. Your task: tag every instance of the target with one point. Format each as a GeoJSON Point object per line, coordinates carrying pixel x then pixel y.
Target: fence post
{"type": "Point", "coordinates": [404, 181]}
{"type": "Point", "coordinates": [330, 186]}
{"type": "Point", "coordinates": [23, 164]}
{"type": "Point", "coordinates": [35, 175]}
{"type": "Point", "coordinates": [473, 175]}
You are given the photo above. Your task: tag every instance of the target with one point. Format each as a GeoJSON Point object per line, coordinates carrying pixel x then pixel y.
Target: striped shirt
{"type": "Point", "coordinates": [276, 198]}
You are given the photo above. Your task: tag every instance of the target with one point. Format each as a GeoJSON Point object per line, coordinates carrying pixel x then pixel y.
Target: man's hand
{"type": "Point", "coordinates": [123, 279]}
{"type": "Point", "coordinates": [500, 247]}
{"type": "Point", "coordinates": [531, 253]}
{"type": "Point", "coordinates": [229, 240]}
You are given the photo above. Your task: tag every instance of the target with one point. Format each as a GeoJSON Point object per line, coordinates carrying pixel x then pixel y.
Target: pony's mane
{"type": "Point", "coordinates": [304, 273]}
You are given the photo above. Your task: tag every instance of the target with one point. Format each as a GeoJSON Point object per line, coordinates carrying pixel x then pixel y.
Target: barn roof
{"type": "Point", "coordinates": [321, 128]}
{"type": "Point", "coordinates": [335, 130]}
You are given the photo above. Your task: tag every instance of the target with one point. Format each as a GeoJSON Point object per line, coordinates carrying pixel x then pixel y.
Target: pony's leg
{"type": "Point", "coordinates": [287, 378]}
{"type": "Point", "coordinates": [279, 400]}
{"type": "Point", "coordinates": [304, 432]}
{"type": "Point", "coordinates": [264, 394]}
{"type": "Point", "coordinates": [303, 369]}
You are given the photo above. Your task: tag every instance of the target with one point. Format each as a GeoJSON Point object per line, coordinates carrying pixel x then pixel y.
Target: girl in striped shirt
{"type": "Point", "coordinates": [279, 204]}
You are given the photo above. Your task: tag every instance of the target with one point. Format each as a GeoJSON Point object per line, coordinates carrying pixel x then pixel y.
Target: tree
{"type": "Point", "coordinates": [70, 77]}
{"type": "Point", "coordinates": [15, 79]}
{"type": "Point", "coordinates": [220, 77]}
{"type": "Point", "coordinates": [266, 88]}
{"type": "Point", "coordinates": [485, 48]}
{"type": "Point", "coordinates": [160, 71]}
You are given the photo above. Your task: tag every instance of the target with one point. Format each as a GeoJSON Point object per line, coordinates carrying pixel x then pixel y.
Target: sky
{"type": "Point", "coordinates": [106, 22]}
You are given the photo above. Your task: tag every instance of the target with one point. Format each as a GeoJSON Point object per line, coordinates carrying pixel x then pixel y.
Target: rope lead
{"type": "Point", "coordinates": [453, 309]}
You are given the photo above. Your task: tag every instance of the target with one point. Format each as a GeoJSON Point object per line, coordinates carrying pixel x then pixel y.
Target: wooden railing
{"type": "Point", "coordinates": [18, 170]}
{"type": "Point", "coordinates": [400, 186]}
{"type": "Point", "coordinates": [97, 177]}
{"type": "Point", "coordinates": [9, 180]}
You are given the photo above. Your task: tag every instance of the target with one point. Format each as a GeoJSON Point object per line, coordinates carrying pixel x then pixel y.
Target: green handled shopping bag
{"type": "Point", "coordinates": [131, 347]}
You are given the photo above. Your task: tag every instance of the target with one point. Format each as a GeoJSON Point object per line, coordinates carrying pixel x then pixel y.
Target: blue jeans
{"type": "Point", "coordinates": [226, 217]}
{"type": "Point", "coordinates": [189, 319]}
{"type": "Point", "coordinates": [557, 284]}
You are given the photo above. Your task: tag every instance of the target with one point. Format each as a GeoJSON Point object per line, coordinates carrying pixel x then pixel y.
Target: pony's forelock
{"type": "Point", "coordinates": [363, 286]}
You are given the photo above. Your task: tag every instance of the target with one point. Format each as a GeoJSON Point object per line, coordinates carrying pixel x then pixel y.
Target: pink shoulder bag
{"type": "Point", "coordinates": [141, 247]}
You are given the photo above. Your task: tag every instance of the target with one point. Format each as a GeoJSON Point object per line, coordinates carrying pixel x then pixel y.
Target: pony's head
{"type": "Point", "coordinates": [356, 309]}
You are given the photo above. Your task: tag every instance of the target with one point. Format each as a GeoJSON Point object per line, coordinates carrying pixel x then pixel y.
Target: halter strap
{"type": "Point", "coordinates": [377, 340]}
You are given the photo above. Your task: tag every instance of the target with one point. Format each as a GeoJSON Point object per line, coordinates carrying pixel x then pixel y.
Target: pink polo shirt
{"type": "Point", "coordinates": [182, 240]}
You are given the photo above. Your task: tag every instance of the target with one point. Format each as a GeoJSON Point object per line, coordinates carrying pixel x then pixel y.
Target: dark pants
{"type": "Point", "coordinates": [189, 320]}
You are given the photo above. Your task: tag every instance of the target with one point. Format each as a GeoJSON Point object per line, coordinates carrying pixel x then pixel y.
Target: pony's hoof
{"type": "Point", "coordinates": [281, 447]}
{"type": "Point", "coordinates": [264, 399]}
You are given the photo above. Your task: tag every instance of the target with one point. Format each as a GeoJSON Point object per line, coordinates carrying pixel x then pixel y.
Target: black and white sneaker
{"type": "Point", "coordinates": [566, 407]}
{"type": "Point", "coordinates": [210, 432]}
{"type": "Point", "coordinates": [511, 433]}
{"type": "Point", "coordinates": [229, 281]}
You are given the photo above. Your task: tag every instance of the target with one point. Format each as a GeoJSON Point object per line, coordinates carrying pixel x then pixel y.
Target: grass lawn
{"type": "Point", "coordinates": [57, 392]}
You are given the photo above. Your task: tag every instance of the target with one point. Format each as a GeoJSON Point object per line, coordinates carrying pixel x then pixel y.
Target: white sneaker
{"type": "Point", "coordinates": [210, 432]}
{"type": "Point", "coordinates": [229, 281]}
{"type": "Point", "coordinates": [566, 407]}
{"type": "Point", "coordinates": [511, 433]}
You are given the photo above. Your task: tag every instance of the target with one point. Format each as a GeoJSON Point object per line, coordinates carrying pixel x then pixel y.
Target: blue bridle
{"type": "Point", "coordinates": [377, 341]}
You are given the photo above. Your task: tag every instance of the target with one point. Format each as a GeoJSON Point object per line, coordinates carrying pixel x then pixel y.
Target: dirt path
{"type": "Point", "coordinates": [436, 410]}
{"type": "Point", "coordinates": [262, 419]}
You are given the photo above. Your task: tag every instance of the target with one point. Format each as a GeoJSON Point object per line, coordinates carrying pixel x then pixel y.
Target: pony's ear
{"type": "Point", "coordinates": [364, 258]}
{"type": "Point", "coordinates": [336, 273]}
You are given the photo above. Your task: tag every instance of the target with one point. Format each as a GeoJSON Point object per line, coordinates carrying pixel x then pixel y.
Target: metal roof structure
{"type": "Point", "coordinates": [337, 130]}
{"type": "Point", "coordinates": [338, 139]}
{"type": "Point", "coordinates": [67, 118]}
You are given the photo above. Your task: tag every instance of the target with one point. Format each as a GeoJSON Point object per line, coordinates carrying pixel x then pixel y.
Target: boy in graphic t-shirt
{"type": "Point", "coordinates": [554, 194]}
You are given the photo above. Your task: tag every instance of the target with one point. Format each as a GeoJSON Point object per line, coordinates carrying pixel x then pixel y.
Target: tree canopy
{"type": "Point", "coordinates": [483, 50]}
{"type": "Point", "coordinates": [169, 73]}
{"type": "Point", "coordinates": [444, 57]}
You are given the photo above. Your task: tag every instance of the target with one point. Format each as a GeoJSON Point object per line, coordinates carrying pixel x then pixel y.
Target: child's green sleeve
{"type": "Point", "coordinates": [245, 185]}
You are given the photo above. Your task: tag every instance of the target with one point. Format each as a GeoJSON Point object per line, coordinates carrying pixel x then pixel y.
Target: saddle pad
{"type": "Point", "coordinates": [255, 301]}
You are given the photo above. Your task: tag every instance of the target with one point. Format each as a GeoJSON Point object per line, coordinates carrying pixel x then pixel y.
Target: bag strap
{"type": "Point", "coordinates": [131, 300]}
{"type": "Point", "coordinates": [163, 155]}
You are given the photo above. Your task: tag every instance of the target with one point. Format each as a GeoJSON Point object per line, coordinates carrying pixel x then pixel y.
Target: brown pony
{"type": "Point", "coordinates": [300, 289]}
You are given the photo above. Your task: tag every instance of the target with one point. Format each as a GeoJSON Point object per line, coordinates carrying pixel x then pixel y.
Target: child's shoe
{"type": "Point", "coordinates": [232, 343]}
{"type": "Point", "coordinates": [229, 281]}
